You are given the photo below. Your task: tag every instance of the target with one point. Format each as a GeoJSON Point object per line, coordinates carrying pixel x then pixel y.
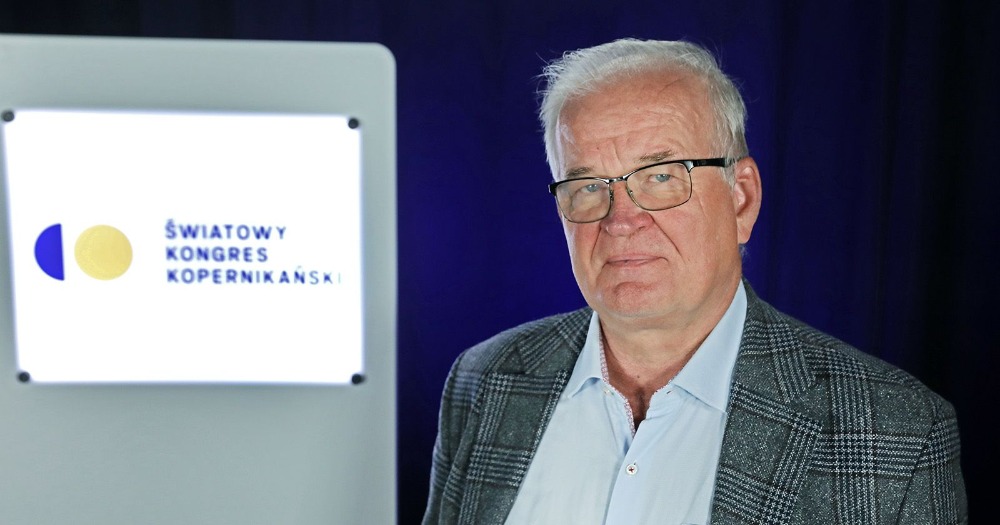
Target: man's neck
{"type": "Point", "coordinates": [642, 359]}
{"type": "Point", "coordinates": [638, 375]}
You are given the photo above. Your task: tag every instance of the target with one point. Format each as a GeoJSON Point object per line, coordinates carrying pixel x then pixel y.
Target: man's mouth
{"type": "Point", "coordinates": [626, 261]}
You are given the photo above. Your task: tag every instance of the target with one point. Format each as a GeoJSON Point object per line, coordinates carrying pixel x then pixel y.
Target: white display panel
{"type": "Point", "coordinates": [290, 444]}
{"type": "Point", "coordinates": [185, 247]}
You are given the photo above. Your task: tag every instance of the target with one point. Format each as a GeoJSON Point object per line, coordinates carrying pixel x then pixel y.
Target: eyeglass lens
{"type": "Point", "coordinates": [652, 188]}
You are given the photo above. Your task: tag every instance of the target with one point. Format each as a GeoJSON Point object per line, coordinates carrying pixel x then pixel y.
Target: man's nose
{"type": "Point", "coordinates": [625, 215]}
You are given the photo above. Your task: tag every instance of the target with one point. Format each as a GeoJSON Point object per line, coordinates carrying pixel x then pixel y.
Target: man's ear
{"type": "Point", "coordinates": [747, 195]}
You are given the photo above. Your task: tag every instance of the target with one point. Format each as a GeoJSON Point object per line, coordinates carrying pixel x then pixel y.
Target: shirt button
{"type": "Point", "coordinates": [631, 469]}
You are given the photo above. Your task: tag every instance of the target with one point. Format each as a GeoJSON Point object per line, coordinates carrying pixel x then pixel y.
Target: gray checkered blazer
{"type": "Point", "coordinates": [817, 432]}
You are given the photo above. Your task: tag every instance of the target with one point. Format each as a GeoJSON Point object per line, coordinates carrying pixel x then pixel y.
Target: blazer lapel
{"type": "Point", "coordinates": [512, 409]}
{"type": "Point", "coordinates": [515, 410]}
{"type": "Point", "coordinates": [768, 443]}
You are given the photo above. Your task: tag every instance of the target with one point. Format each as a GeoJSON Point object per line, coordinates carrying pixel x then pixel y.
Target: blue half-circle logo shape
{"type": "Point", "coordinates": [49, 252]}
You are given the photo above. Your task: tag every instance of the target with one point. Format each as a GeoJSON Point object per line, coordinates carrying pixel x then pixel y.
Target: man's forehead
{"type": "Point", "coordinates": [617, 111]}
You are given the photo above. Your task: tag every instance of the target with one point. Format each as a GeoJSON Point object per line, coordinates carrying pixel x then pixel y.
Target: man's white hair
{"type": "Point", "coordinates": [587, 70]}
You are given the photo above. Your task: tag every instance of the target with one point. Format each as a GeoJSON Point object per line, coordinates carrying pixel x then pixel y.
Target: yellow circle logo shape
{"type": "Point", "coordinates": [103, 252]}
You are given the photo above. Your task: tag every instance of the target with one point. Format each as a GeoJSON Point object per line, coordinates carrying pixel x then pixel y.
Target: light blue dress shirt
{"type": "Point", "coordinates": [592, 468]}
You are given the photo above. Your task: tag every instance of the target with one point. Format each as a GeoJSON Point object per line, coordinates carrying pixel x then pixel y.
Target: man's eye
{"type": "Point", "coordinates": [661, 177]}
{"type": "Point", "coordinates": [591, 188]}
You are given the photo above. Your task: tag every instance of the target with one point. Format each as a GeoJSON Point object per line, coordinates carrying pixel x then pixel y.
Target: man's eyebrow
{"type": "Point", "coordinates": [650, 158]}
{"type": "Point", "coordinates": [582, 171]}
{"type": "Point", "coordinates": [657, 157]}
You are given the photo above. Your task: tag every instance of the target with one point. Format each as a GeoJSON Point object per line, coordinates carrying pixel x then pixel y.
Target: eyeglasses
{"type": "Point", "coordinates": [655, 187]}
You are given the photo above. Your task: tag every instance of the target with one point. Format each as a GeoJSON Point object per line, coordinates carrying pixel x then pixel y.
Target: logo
{"type": "Point", "coordinates": [102, 252]}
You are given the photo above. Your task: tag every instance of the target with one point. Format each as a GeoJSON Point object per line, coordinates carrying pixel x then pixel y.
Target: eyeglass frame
{"type": "Point", "coordinates": [689, 164]}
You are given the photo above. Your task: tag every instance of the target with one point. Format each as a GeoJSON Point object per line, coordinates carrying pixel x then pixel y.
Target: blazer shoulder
{"type": "Point", "coordinates": [516, 349]}
{"type": "Point", "coordinates": [857, 427]}
{"type": "Point", "coordinates": [840, 365]}
{"type": "Point", "coordinates": [538, 347]}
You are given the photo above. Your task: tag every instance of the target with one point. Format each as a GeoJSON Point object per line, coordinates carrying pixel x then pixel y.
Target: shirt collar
{"type": "Point", "coordinates": [588, 365]}
{"type": "Point", "coordinates": [707, 376]}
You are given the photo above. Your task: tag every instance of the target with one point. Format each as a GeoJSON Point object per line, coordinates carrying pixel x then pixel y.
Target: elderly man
{"type": "Point", "coordinates": [679, 396]}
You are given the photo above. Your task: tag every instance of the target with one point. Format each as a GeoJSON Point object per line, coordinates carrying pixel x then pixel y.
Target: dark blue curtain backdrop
{"type": "Point", "coordinates": [874, 125]}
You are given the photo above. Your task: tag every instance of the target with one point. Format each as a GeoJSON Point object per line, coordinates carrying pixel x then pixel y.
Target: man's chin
{"type": "Point", "coordinates": [632, 301]}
